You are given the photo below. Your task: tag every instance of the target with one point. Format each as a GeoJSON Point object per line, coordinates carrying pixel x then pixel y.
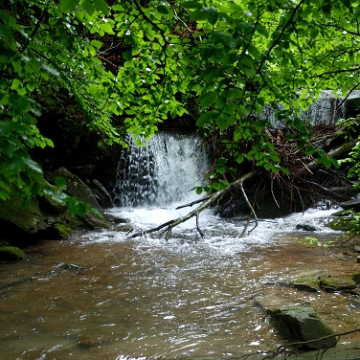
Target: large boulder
{"type": "Point", "coordinates": [102, 195]}
{"type": "Point", "coordinates": [76, 187]}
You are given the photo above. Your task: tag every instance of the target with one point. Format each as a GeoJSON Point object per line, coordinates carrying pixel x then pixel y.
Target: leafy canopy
{"type": "Point", "coordinates": [143, 60]}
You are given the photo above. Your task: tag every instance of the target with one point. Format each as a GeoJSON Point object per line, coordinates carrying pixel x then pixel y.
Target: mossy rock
{"type": "Point", "coordinates": [63, 230]}
{"type": "Point", "coordinates": [11, 253]}
{"type": "Point", "coordinates": [356, 278]}
{"type": "Point", "coordinates": [309, 284]}
{"type": "Point", "coordinates": [337, 283]}
{"type": "Point", "coordinates": [302, 324]}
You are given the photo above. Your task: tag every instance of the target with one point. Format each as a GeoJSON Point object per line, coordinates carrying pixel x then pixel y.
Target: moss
{"type": "Point", "coordinates": [63, 230]}
{"type": "Point", "coordinates": [356, 277]}
{"type": "Point", "coordinates": [11, 253]}
{"type": "Point", "coordinates": [337, 283]}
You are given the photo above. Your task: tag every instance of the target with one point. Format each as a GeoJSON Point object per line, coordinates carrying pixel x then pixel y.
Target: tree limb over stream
{"type": "Point", "coordinates": [206, 202]}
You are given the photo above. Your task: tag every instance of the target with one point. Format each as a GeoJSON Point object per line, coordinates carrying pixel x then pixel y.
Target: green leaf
{"type": "Point", "coordinates": [68, 5]}
{"type": "Point", "coordinates": [191, 5]}
{"type": "Point", "coordinates": [102, 6]}
{"type": "Point", "coordinates": [60, 183]}
{"type": "Point", "coordinates": [96, 43]}
{"type": "Point", "coordinates": [19, 103]}
{"type": "Point", "coordinates": [162, 9]}
{"type": "Point", "coordinates": [88, 6]}
{"type": "Point", "coordinates": [221, 122]}
{"type": "Point", "coordinates": [207, 99]}
{"type": "Point", "coordinates": [207, 117]}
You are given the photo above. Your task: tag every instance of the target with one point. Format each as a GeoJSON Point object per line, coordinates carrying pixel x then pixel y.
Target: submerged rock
{"type": "Point", "coordinates": [11, 253]}
{"type": "Point", "coordinates": [298, 323]}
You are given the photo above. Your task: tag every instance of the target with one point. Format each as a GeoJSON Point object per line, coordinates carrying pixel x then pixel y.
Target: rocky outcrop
{"type": "Point", "coordinates": [102, 195]}
{"type": "Point", "coordinates": [76, 187]}
{"type": "Point", "coordinates": [46, 218]}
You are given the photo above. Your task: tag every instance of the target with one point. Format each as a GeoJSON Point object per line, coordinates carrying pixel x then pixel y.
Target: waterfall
{"type": "Point", "coordinates": [326, 110]}
{"type": "Point", "coordinates": [163, 171]}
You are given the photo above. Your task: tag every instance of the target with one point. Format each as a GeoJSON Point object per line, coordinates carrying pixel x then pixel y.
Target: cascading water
{"type": "Point", "coordinates": [160, 173]}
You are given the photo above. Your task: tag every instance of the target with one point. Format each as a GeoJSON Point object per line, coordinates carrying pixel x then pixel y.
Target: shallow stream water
{"type": "Point", "coordinates": [101, 295]}
{"type": "Point", "coordinates": [106, 296]}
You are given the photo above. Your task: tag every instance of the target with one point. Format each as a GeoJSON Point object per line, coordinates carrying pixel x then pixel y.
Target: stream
{"type": "Point", "coordinates": [103, 295]}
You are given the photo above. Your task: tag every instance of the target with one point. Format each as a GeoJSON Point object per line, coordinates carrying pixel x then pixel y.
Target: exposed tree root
{"type": "Point", "coordinates": [207, 201]}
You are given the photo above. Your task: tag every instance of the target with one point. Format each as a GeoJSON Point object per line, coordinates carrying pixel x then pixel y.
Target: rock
{"type": "Point", "coordinates": [310, 284]}
{"type": "Point", "coordinates": [356, 277]}
{"type": "Point", "coordinates": [76, 187]}
{"type": "Point", "coordinates": [305, 280]}
{"type": "Point", "coordinates": [305, 227]}
{"type": "Point", "coordinates": [84, 170]}
{"type": "Point", "coordinates": [29, 218]}
{"type": "Point", "coordinates": [355, 292]}
{"type": "Point", "coordinates": [71, 267]}
{"type": "Point", "coordinates": [298, 323]}
{"type": "Point", "coordinates": [11, 253]}
{"type": "Point", "coordinates": [102, 195]}
{"type": "Point", "coordinates": [341, 283]}
{"type": "Point", "coordinates": [351, 204]}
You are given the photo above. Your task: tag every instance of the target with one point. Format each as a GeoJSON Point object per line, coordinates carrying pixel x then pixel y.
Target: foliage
{"type": "Point", "coordinates": [143, 61]}
{"type": "Point", "coordinates": [310, 240]}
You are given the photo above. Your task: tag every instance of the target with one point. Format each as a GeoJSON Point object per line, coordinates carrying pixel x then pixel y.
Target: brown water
{"type": "Point", "coordinates": [180, 299]}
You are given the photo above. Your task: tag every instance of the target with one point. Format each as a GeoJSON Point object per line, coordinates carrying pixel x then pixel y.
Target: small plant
{"type": "Point", "coordinates": [310, 240]}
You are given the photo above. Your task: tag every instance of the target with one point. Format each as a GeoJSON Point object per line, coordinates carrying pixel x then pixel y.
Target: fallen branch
{"type": "Point", "coordinates": [343, 149]}
{"type": "Point", "coordinates": [296, 345]}
{"type": "Point", "coordinates": [207, 201]}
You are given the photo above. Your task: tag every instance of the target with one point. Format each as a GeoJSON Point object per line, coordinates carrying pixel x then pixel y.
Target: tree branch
{"type": "Point", "coordinates": [207, 201]}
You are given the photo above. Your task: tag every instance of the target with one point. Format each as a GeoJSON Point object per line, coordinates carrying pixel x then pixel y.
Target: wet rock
{"type": "Point", "coordinates": [356, 278]}
{"type": "Point", "coordinates": [338, 283]}
{"type": "Point", "coordinates": [102, 195]}
{"type": "Point", "coordinates": [353, 204]}
{"type": "Point", "coordinates": [309, 284]}
{"type": "Point", "coordinates": [298, 323]}
{"type": "Point", "coordinates": [71, 267]}
{"type": "Point", "coordinates": [76, 187]}
{"type": "Point", "coordinates": [305, 227]}
{"type": "Point", "coordinates": [305, 280]}
{"type": "Point", "coordinates": [11, 253]}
